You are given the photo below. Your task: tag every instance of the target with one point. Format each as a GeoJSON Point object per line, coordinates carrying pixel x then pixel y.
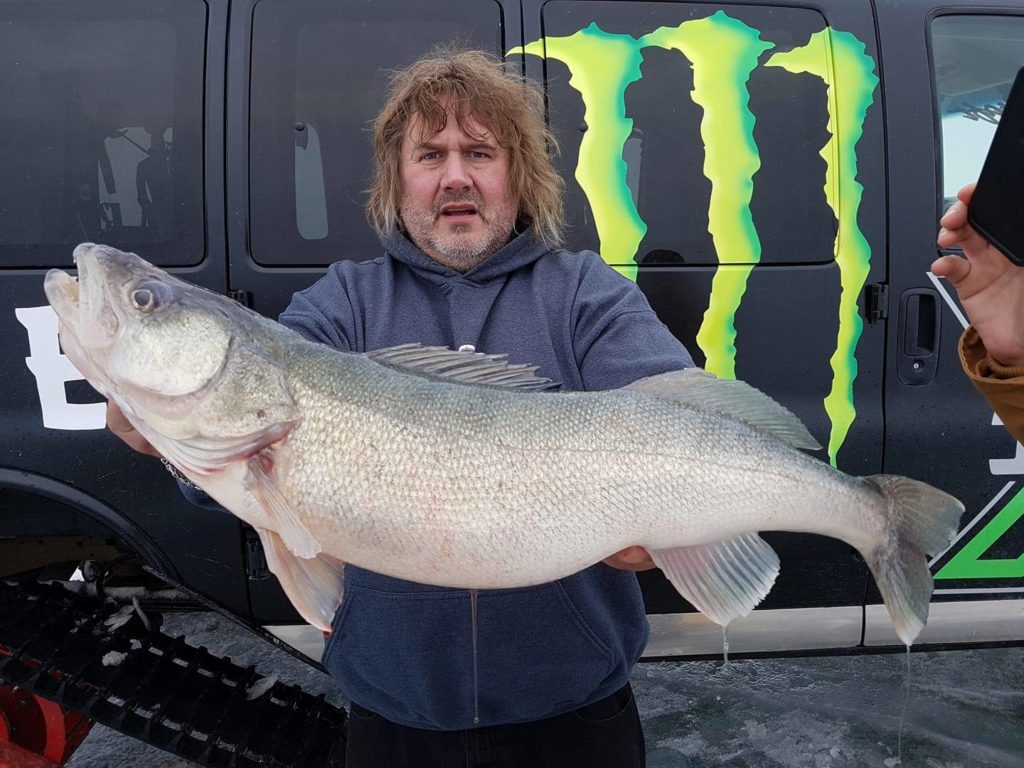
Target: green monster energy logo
{"type": "Point", "coordinates": [723, 52]}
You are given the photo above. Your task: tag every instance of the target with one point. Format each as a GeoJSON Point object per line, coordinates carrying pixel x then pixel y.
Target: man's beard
{"type": "Point", "coordinates": [456, 250]}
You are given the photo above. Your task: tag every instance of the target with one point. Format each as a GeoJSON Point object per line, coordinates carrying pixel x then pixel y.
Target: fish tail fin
{"type": "Point", "coordinates": [920, 521]}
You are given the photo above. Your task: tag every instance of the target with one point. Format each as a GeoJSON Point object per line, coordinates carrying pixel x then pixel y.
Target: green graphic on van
{"type": "Point", "coordinates": [970, 562]}
{"type": "Point", "coordinates": [723, 52]}
{"type": "Point", "coordinates": [840, 60]}
{"type": "Point", "coordinates": [602, 65]}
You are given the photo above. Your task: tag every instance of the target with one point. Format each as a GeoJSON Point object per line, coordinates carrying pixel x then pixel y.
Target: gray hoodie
{"type": "Point", "coordinates": [404, 650]}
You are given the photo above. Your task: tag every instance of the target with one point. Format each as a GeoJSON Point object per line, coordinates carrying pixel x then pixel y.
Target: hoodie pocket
{"type": "Point", "coordinates": [408, 655]}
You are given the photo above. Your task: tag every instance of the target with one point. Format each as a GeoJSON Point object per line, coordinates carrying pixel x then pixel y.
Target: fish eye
{"type": "Point", "coordinates": [143, 299]}
{"type": "Point", "coordinates": [147, 297]}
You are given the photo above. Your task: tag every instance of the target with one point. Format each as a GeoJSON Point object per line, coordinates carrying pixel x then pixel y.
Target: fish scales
{"type": "Point", "coordinates": [570, 499]}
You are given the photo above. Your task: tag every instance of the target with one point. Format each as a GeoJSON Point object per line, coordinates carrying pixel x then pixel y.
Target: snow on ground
{"type": "Point", "coordinates": [965, 708]}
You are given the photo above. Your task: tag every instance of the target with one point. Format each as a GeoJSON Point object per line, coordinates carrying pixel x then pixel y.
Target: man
{"type": "Point", "coordinates": [468, 207]}
{"type": "Point", "coordinates": [991, 290]}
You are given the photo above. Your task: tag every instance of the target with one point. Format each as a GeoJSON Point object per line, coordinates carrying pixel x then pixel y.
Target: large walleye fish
{"type": "Point", "coordinates": [448, 468]}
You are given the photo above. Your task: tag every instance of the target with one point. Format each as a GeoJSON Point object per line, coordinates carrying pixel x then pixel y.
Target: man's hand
{"type": "Point", "coordinates": [991, 288]}
{"type": "Point", "coordinates": [631, 559]}
{"type": "Point", "coordinates": [120, 426]}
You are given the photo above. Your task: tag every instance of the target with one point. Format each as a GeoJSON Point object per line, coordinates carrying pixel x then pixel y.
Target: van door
{"type": "Point", "coordinates": [729, 158]}
{"type": "Point", "coordinates": [306, 80]}
{"type": "Point", "coordinates": [110, 132]}
{"type": "Point", "coordinates": [949, 69]}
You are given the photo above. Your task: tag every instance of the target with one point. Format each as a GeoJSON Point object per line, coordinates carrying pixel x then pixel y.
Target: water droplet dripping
{"type": "Point", "coordinates": [725, 646]}
{"type": "Point", "coordinates": [903, 710]}
{"type": "Point", "coordinates": [476, 677]}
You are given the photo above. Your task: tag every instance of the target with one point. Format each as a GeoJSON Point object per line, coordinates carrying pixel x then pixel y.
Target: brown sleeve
{"type": "Point", "coordinates": [1002, 386]}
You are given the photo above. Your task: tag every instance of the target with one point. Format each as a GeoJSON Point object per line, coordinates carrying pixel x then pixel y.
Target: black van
{"type": "Point", "coordinates": [770, 174]}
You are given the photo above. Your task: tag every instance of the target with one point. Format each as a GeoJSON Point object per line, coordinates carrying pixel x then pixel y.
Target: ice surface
{"type": "Point", "coordinates": [835, 712]}
{"type": "Point", "coordinates": [831, 712]}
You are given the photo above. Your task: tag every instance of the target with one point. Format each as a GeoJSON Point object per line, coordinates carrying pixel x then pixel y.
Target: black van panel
{"type": "Point", "coordinates": [102, 129]}
{"type": "Point", "coordinates": [311, 99]}
{"type": "Point", "coordinates": [954, 65]}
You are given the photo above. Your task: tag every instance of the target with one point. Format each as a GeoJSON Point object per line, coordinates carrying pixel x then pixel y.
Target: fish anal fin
{"type": "Point", "coordinates": [295, 535]}
{"type": "Point", "coordinates": [724, 580]}
{"type": "Point", "coordinates": [729, 397]}
{"type": "Point", "coordinates": [314, 586]}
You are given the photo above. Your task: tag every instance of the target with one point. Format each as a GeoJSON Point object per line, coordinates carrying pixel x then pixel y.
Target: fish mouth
{"type": "Point", "coordinates": [62, 291]}
{"type": "Point", "coordinates": [69, 295]}
{"type": "Point", "coordinates": [82, 303]}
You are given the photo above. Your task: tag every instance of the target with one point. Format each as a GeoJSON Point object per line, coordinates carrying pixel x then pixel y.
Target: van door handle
{"type": "Point", "coordinates": [918, 337]}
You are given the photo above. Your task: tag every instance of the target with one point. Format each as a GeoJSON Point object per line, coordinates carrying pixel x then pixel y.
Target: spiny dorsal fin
{"type": "Point", "coordinates": [463, 367]}
{"type": "Point", "coordinates": [731, 398]}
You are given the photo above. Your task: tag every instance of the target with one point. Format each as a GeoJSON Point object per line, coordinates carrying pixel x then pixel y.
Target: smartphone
{"type": "Point", "coordinates": [997, 208]}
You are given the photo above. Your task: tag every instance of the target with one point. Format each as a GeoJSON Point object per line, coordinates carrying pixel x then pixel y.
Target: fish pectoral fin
{"type": "Point", "coordinates": [287, 525]}
{"type": "Point", "coordinates": [723, 580]}
{"type": "Point", "coordinates": [314, 586]}
{"type": "Point", "coordinates": [729, 397]}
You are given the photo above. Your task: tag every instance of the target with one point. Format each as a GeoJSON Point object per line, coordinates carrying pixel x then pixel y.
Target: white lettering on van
{"type": "Point", "coordinates": [52, 370]}
{"type": "Point", "coordinates": [1014, 466]}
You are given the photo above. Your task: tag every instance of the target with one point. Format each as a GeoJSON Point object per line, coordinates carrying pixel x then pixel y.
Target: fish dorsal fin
{"type": "Point", "coordinates": [462, 367]}
{"type": "Point", "coordinates": [724, 580]}
{"type": "Point", "coordinates": [314, 586]}
{"type": "Point", "coordinates": [729, 397]}
{"type": "Point", "coordinates": [296, 536]}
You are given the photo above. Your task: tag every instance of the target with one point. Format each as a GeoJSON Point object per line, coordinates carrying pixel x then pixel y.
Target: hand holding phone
{"type": "Point", "coordinates": [990, 287]}
{"type": "Point", "coordinates": [987, 223]}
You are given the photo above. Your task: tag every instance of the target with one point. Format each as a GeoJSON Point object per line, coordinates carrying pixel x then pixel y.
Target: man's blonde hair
{"type": "Point", "coordinates": [475, 87]}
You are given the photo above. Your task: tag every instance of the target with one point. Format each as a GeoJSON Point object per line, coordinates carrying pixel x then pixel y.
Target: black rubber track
{"type": "Point", "coordinates": [157, 688]}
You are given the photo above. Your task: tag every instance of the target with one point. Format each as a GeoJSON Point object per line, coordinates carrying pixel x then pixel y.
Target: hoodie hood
{"type": "Point", "coordinates": [523, 249]}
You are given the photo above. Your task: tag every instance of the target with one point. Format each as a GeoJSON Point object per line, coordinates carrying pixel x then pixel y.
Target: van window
{"type": "Point", "coordinates": [100, 129]}
{"type": "Point", "coordinates": [975, 59]}
{"type": "Point", "coordinates": [742, 158]}
{"type": "Point", "coordinates": [319, 70]}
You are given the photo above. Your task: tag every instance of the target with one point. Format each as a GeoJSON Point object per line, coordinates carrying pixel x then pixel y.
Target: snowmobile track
{"type": "Point", "coordinates": [111, 664]}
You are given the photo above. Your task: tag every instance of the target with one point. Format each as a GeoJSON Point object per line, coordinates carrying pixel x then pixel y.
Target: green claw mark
{"type": "Point", "coordinates": [968, 562]}
{"type": "Point", "coordinates": [723, 52]}
{"type": "Point", "coordinates": [841, 61]}
{"type": "Point", "coordinates": [602, 65]}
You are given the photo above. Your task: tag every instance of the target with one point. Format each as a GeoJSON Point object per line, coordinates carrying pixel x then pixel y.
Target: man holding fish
{"type": "Point", "coordinates": [469, 209]}
{"type": "Point", "coordinates": [376, 474]}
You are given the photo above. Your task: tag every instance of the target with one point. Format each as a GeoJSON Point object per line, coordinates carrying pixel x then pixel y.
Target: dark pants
{"type": "Point", "coordinates": [605, 734]}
